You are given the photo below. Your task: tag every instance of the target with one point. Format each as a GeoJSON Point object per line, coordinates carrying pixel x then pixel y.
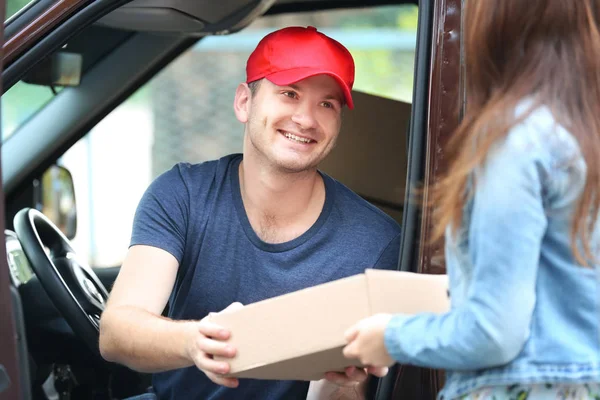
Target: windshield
{"type": "Point", "coordinates": [382, 42]}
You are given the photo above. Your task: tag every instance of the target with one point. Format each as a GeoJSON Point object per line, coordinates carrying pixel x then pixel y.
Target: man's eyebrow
{"type": "Point", "coordinates": [330, 96]}
{"type": "Point", "coordinates": [337, 97]}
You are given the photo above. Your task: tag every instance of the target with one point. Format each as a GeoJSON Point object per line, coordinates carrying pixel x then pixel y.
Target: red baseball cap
{"type": "Point", "coordinates": [291, 54]}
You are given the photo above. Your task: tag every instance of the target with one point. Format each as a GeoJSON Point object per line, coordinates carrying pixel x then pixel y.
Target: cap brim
{"type": "Point", "coordinates": [290, 76]}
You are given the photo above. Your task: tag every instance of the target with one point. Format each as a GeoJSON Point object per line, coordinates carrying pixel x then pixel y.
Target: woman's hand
{"type": "Point", "coordinates": [365, 341]}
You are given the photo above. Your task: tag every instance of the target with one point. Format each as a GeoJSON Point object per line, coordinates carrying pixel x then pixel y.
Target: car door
{"type": "Point", "coordinates": [9, 372]}
{"type": "Point", "coordinates": [36, 18]}
{"type": "Point", "coordinates": [437, 107]}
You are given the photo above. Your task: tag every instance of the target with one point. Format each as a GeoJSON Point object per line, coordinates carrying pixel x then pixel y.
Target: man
{"type": "Point", "coordinates": [247, 227]}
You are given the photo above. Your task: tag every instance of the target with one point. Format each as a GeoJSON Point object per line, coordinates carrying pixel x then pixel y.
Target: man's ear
{"type": "Point", "coordinates": [241, 103]}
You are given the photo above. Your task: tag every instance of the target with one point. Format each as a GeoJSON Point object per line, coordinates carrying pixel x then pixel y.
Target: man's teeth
{"type": "Point", "coordinates": [297, 138]}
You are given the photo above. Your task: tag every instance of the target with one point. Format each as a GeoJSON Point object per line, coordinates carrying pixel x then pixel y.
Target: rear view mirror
{"type": "Point", "coordinates": [58, 199]}
{"type": "Point", "coordinates": [58, 69]}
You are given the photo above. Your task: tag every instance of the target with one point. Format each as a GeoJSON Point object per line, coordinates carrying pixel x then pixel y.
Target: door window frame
{"type": "Point", "coordinates": [8, 343]}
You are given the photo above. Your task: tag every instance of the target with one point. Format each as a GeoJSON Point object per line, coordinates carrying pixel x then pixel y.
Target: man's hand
{"type": "Point", "coordinates": [353, 376]}
{"type": "Point", "coordinates": [348, 385]}
{"type": "Point", "coordinates": [207, 342]}
{"type": "Point", "coordinates": [366, 341]}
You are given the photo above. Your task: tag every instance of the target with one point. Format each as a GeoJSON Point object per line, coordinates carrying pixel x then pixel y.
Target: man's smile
{"type": "Point", "coordinates": [296, 138]}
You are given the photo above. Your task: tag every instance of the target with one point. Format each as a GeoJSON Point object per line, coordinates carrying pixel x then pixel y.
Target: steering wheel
{"type": "Point", "coordinates": [71, 284]}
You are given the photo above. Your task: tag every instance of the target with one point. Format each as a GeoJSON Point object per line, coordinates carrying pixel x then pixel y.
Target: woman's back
{"type": "Point", "coordinates": [528, 294]}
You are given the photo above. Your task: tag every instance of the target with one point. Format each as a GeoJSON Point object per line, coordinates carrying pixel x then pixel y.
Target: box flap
{"type": "Point", "coordinates": [406, 292]}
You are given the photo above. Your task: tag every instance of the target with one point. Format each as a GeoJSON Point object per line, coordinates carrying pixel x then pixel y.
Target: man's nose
{"type": "Point", "coordinates": [304, 116]}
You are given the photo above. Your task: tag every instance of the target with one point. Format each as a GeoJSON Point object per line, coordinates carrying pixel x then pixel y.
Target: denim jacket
{"type": "Point", "coordinates": [522, 309]}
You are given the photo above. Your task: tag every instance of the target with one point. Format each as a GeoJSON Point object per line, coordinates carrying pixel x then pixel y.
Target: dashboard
{"type": "Point", "coordinates": [18, 264]}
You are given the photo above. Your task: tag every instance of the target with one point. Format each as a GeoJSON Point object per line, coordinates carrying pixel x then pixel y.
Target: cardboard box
{"type": "Point", "coordinates": [300, 335]}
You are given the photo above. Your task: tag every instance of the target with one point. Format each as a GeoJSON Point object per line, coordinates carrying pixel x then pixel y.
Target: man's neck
{"type": "Point", "coordinates": [280, 205]}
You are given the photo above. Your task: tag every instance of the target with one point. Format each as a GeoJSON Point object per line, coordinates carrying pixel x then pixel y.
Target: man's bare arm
{"type": "Point", "coordinates": [132, 330]}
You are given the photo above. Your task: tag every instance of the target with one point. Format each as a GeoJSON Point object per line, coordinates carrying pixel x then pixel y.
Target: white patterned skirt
{"type": "Point", "coordinates": [586, 391]}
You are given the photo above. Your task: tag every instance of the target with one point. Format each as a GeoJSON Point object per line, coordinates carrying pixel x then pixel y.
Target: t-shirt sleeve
{"type": "Point", "coordinates": [390, 254]}
{"type": "Point", "coordinates": [161, 217]}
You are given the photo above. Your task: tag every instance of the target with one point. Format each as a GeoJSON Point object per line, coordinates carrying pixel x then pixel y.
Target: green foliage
{"type": "Point", "coordinates": [386, 73]}
{"type": "Point", "coordinates": [382, 17]}
{"type": "Point", "coordinates": [13, 6]}
{"type": "Point", "coordinates": [407, 19]}
{"type": "Point", "coordinates": [19, 103]}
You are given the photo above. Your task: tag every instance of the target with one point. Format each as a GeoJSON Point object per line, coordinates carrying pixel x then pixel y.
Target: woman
{"type": "Point", "coordinates": [518, 209]}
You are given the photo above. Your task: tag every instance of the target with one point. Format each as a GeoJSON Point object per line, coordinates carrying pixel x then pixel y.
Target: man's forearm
{"type": "Point", "coordinates": [143, 341]}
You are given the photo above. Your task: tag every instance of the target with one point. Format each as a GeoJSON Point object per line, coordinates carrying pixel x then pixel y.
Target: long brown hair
{"type": "Point", "coordinates": [548, 50]}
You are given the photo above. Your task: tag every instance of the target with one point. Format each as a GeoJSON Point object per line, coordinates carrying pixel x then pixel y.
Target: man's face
{"type": "Point", "coordinates": [292, 127]}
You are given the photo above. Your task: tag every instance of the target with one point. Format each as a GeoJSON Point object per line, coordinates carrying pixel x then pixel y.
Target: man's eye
{"type": "Point", "coordinates": [290, 94]}
{"type": "Point", "coordinates": [327, 104]}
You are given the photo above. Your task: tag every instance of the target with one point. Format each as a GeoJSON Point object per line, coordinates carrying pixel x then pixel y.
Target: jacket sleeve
{"type": "Point", "coordinates": [505, 231]}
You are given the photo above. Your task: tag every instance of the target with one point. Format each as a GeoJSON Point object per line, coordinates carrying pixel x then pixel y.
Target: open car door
{"type": "Point", "coordinates": [9, 367]}
{"type": "Point", "coordinates": [438, 105]}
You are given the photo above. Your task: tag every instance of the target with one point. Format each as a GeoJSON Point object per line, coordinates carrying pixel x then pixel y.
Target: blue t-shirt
{"type": "Point", "coordinates": [196, 213]}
